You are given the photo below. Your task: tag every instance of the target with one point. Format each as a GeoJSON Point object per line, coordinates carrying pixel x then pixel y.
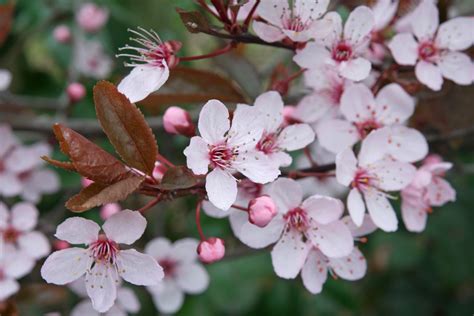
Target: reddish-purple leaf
{"type": "Point", "coordinates": [178, 177]}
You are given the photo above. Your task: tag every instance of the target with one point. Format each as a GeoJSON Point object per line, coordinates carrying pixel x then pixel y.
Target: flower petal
{"type": "Point", "coordinates": [289, 254]}
{"type": "Point", "coordinates": [356, 69]}
{"type": "Point", "coordinates": [257, 167]}
{"type": "Point", "coordinates": [414, 216]}
{"type": "Point", "coordinates": [84, 308]}
{"type": "Point", "coordinates": [357, 103]}
{"type": "Point", "coordinates": [273, 10]}
{"type": "Point", "coordinates": [314, 272]}
{"type": "Point", "coordinates": [101, 286]}
{"type": "Point", "coordinates": [125, 227]}
{"type": "Point", "coordinates": [365, 229]}
{"type": "Point", "coordinates": [270, 108]}
{"type": "Point", "coordinates": [17, 264]}
{"type": "Point", "coordinates": [221, 188]}
{"type": "Point", "coordinates": [192, 278]}
{"type": "Point", "coordinates": [337, 135]}
{"type": "Point", "coordinates": [455, 34]}
{"type": "Point", "coordinates": [429, 75]}
{"type": "Point", "coordinates": [213, 121]}
{"type": "Point", "coordinates": [78, 230]}
{"type": "Point", "coordinates": [356, 206]}
{"type": "Point", "coordinates": [286, 193]}
{"type": "Point", "coordinates": [359, 24]}
{"type": "Point", "coordinates": [334, 239]}
{"type": "Point", "coordinates": [128, 300]}
{"type": "Point", "coordinates": [392, 175]}
{"type": "Point", "coordinates": [267, 32]}
{"type": "Point", "coordinates": [352, 267]}
{"type": "Point", "coordinates": [64, 266]}
{"type": "Point", "coordinates": [456, 67]}
{"type": "Point", "coordinates": [197, 155]}
{"type": "Point", "coordinates": [393, 105]}
{"type": "Point", "coordinates": [168, 297]}
{"type": "Point", "coordinates": [404, 49]}
{"type": "Point", "coordinates": [312, 56]}
{"type": "Point", "coordinates": [4, 215]}
{"type": "Point", "coordinates": [440, 192]}
{"type": "Point", "coordinates": [35, 244]}
{"type": "Point", "coordinates": [158, 248]}
{"type": "Point", "coordinates": [346, 167]}
{"type": "Point", "coordinates": [184, 250]}
{"type": "Point", "coordinates": [8, 287]}
{"type": "Point", "coordinates": [296, 136]}
{"type": "Point", "coordinates": [323, 209]}
{"type": "Point", "coordinates": [24, 216]}
{"type": "Point", "coordinates": [138, 268]}
{"type": "Point", "coordinates": [425, 20]}
{"type": "Point", "coordinates": [381, 211]}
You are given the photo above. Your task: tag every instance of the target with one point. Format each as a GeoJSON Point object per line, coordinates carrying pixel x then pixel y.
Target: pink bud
{"type": "Point", "coordinates": [62, 34]}
{"type": "Point", "coordinates": [288, 112]}
{"type": "Point", "coordinates": [76, 92]}
{"type": "Point", "coordinates": [61, 244]}
{"type": "Point", "coordinates": [178, 121]}
{"type": "Point", "coordinates": [159, 170]}
{"type": "Point", "coordinates": [211, 250]}
{"type": "Point", "coordinates": [109, 209]}
{"type": "Point", "coordinates": [432, 159]}
{"type": "Point", "coordinates": [261, 211]}
{"type": "Point", "coordinates": [91, 17]}
{"type": "Point", "coordinates": [86, 182]}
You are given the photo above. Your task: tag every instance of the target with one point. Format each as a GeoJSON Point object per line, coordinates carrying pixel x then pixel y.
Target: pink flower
{"type": "Point", "coordinates": [352, 267]}
{"type": "Point", "coordinates": [103, 262]}
{"type": "Point", "coordinates": [16, 230]}
{"type": "Point", "coordinates": [183, 273]}
{"type": "Point", "coordinates": [369, 180]}
{"type": "Point", "coordinates": [150, 62]}
{"type": "Point", "coordinates": [261, 210]}
{"type": "Point", "coordinates": [244, 9]}
{"type": "Point", "coordinates": [299, 23]}
{"type": "Point", "coordinates": [62, 34]}
{"type": "Point", "coordinates": [298, 226]}
{"type": "Point", "coordinates": [109, 209]}
{"type": "Point", "coordinates": [277, 139]}
{"type": "Point", "coordinates": [91, 18]}
{"type": "Point", "coordinates": [91, 60]}
{"type": "Point", "coordinates": [427, 189]}
{"type": "Point", "coordinates": [76, 91]}
{"type": "Point", "coordinates": [211, 250]}
{"type": "Point", "coordinates": [13, 265]}
{"type": "Point", "coordinates": [362, 113]}
{"type": "Point", "coordinates": [228, 149]}
{"type": "Point", "coordinates": [178, 121]}
{"type": "Point", "coordinates": [342, 50]}
{"type": "Point", "coordinates": [435, 51]}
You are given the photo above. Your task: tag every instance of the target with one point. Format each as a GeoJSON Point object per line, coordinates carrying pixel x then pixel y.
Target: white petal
{"type": "Point", "coordinates": [323, 209]}
{"type": "Point", "coordinates": [286, 193]}
{"type": "Point", "coordinates": [115, 311]}
{"type": "Point", "coordinates": [270, 107]}
{"type": "Point", "coordinates": [138, 268]}
{"type": "Point", "coordinates": [352, 267]}
{"type": "Point", "coordinates": [272, 10]}
{"type": "Point", "coordinates": [440, 192]}
{"type": "Point", "coordinates": [393, 105]}
{"type": "Point", "coordinates": [169, 298]}
{"type": "Point", "coordinates": [425, 20]}
{"type": "Point", "coordinates": [142, 81]}
{"type": "Point", "coordinates": [346, 167]}
{"type": "Point", "coordinates": [312, 107]}
{"type": "Point", "coordinates": [314, 272]}
{"type": "Point", "coordinates": [267, 32]}
{"type": "Point", "coordinates": [404, 49]}
{"type": "Point", "coordinates": [213, 121]}
{"type": "Point", "coordinates": [365, 229]}
{"type": "Point", "coordinates": [337, 135]}
{"type": "Point", "coordinates": [84, 308]}
{"type": "Point", "coordinates": [312, 56]}
{"type": "Point", "coordinates": [381, 211]}
{"type": "Point", "coordinates": [8, 287]}
{"type": "Point", "coordinates": [392, 175]}
{"type": "Point", "coordinates": [309, 9]}
{"type": "Point", "coordinates": [158, 248]}
{"type": "Point", "coordinates": [34, 244]}
{"type": "Point", "coordinates": [456, 67]}
{"type": "Point", "coordinates": [334, 239]}
{"type": "Point", "coordinates": [221, 188]}
{"type": "Point", "coordinates": [192, 278]}
{"type": "Point", "coordinates": [296, 136]}
{"type": "Point", "coordinates": [24, 216]}
{"type": "Point", "coordinates": [125, 227]}
{"type": "Point", "coordinates": [357, 103]}
{"type": "Point", "coordinates": [429, 75]}
{"type": "Point", "coordinates": [197, 155]}
{"type": "Point", "coordinates": [414, 216]}
{"type": "Point", "coordinates": [42, 181]}
{"type": "Point", "coordinates": [280, 158]}
{"type": "Point", "coordinates": [334, 20]}
{"type": "Point", "coordinates": [17, 264]}
{"type": "Point", "coordinates": [5, 79]}
{"type": "Point", "coordinates": [184, 250]}
{"type": "Point", "coordinates": [289, 254]}
{"type": "Point", "coordinates": [384, 11]}
{"type": "Point", "coordinates": [78, 230]}
{"type": "Point", "coordinates": [356, 206]}
{"type": "Point", "coordinates": [257, 167]}
{"type": "Point", "coordinates": [65, 266]}
{"type": "Point", "coordinates": [455, 34]}
{"type": "Point", "coordinates": [213, 211]}
{"type": "Point", "coordinates": [359, 24]}
{"type": "Point", "coordinates": [246, 129]}
{"type": "Point", "coordinates": [356, 69]}
{"type": "Point", "coordinates": [101, 286]}
{"type": "Point", "coordinates": [128, 300]}
{"type": "Point", "coordinates": [10, 185]}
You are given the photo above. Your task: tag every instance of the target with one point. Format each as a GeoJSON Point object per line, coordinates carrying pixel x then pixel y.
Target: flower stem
{"type": "Point", "coordinates": [218, 52]}
{"type": "Point", "coordinates": [198, 220]}
{"type": "Point", "coordinates": [245, 209]}
{"type": "Point", "coordinates": [150, 204]}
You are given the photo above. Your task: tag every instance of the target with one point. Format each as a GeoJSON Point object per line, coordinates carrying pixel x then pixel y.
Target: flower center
{"type": "Point", "coordinates": [221, 156]}
{"type": "Point", "coordinates": [267, 143]}
{"type": "Point", "coordinates": [366, 127]}
{"type": "Point", "coordinates": [297, 219]}
{"type": "Point", "coordinates": [104, 249]}
{"type": "Point", "coordinates": [294, 24]}
{"type": "Point", "coordinates": [169, 267]}
{"type": "Point", "coordinates": [251, 189]}
{"type": "Point", "coordinates": [342, 52]}
{"type": "Point", "coordinates": [427, 51]}
{"type": "Point", "coordinates": [10, 235]}
{"type": "Point", "coordinates": [362, 180]}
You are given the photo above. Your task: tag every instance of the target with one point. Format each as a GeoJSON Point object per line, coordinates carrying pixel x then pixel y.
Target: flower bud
{"type": "Point", "coordinates": [61, 244]}
{"type": "Point", "coordinates": [159, 170]}
{"type": "Point", "coordinates": [211, 250]}
{"type": "Point", "coordinates": [432, 159]}
{"type": "Point", "coordinates": [76, 92]}
{"type": "Point", "coordinates": [261, 211]}
{"type": "Point", "coordinates": [178, 121]}
{"type": "Point", "coordinates": [109, 209]}
{"type": "Point", "coordinates": [62, 34]}
{"type": "Point", "coordinates": [86, 182]}
{"type": "Point", "coordinates": [91, 18]}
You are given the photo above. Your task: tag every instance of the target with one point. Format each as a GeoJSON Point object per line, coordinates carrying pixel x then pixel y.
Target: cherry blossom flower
{"type": "Point", "coordinates": [5, 79]}
{"type": "Point", "coordinates": [62, 33]}
{"type": "Point", "coordinates": [178, 121]}
{"type": "Point", "coordinates": [342, 49]}
{"type": "Point", "coordinates": [227, 149]}
{"type": "Point", "coordinates": [299, 23]}
{"type": "Point", "coordinates": [244, 9]}
{"type": "Point", "coordinates": [16, 230]}
{"type": "Point", "coordinates": [13, 265]}
{"type": "Point", "coordinates": [91, 60]}
{"type": "Point", "coordinates": [261, 210]}
{"type": "Point", "coordinates": [369, 181]}
{"type": "Point", "coordinates": [76, 91]}
{"type": "Point", "coordinates": [150, 61]}
{"type": "Point", "coordinates": [91, 18]}
{"type": "Point", "coordinates": [276, 139]}
{"type": "Point", "coordinates": [404, 22]}
{"type": "Point", "coordinates": [183, 274]}
{"type": "Point", "coordinates": [362, 113]}
{"type": "Point", "coordinates": [298, 226]}
{"type": "Point", "coordinates": [127, 302]}
{"type": "Point", "coordinates": [352, 267]}
{"type": "Point", "coordinates": [103, 262]}
{"type": "Point", "coordinates": [435, 51]}
{"type": "Point", "coordinates": [427, 189]}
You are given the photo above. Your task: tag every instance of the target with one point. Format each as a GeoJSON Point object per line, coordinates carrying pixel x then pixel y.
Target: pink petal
{"type": "Point", "coordinates": [384, 11]}
{"type": "Point", "coordinates": [77, 230]}
{"type": "Point", "coordinates": [404, 49]}
{"type": "Point", "coordinates": [184, 250]}
{"type": "Point", "coordinates": [35, 244]}
{"type": "Point", "coordinates": [286, 193]}
{"type": "Point", "coordinates": [17, 264]}
{"type": "Point", "coordinates": [393, 105]}
{"type": "Point", "coordinates": [273, 10]}
{"type": "Point", "coordinates": [24, 216]}
{"type": "Point", "coordinates": [337, 135]}
{"type": "Point", "coordinates": [4, 216]}
{"type": "Point", "coordinates": [64, 266]}
{"type": "Point", "coordinates": [440, 192]}
{"type": "Point", "coordinates": [8, 287]}
{"type": "Point", "coordinates": [357, 103]}
{"type": "Point", "coordinates": [365, 229]}
{"type": "Point", "coordinates": [268, 32]}
{"type": "Point", "coordinates": [158, 248]}
{"type": "Point", "coordinates": [197, 155]}
{"type": "Point", "coordinates": [309, 9]}
{"type": "Point", "coordinates": [101, 287]}
{"type": "Point", "coordinates": [425, 20]}
{"type": "Point", "coordinates": [312, 56]}
{"type": "Point", "coordinates": [392, 175]}
{"type": "Point", "coordinates": [359, 24]}
{"type": "Point", "coordinates": [213, 121]}
{"type": "Point", "coordinates": [125, 227]}
{"type": "Point", "coordinates": [10, 185]}
{"type": "Point", "coordinates": [414, 216]}
{"type": "Point", "coordinates": [270, 108]}
{"type": "Point", "coordinates": [352, 267]}
{"type": "Point", "coordinates": [356, 206]}
{"type": "Point", "coordinates": [429, 75]}
{"type": "Point", "coordinates": [168, 297]}
{"type": "Point", "coordinates": [456, 67]}
{"type": "Point", "coordinates": [84, 308]}
{"type": "Point", "coordinates": [257, 167]}
{"type": "Point", "coordinates": [246, 129]}
{"type": "Point", "coordinates": [296, 136]}
{"type": "Point", "coordinates": [455, 34]}
{"type": "Point", "coordinates": [346, 167]}
{"type": "Point", "coordinates": [128, 300]}
{"type": "Point", "coordinates": [323, 209]}
{"type": "Point", "coordinates": [356, 69]}
{"type": "Point", "coordinates": [138, 268]}
{"type": "Point", "coordinates": [312, 107]}
{"type": "Point", "coordinates": [334, 239]}
{"type": "Point", "coordinates": [289, 254]}
{"type": "Point", "coordinates": [192, 278]}
{"type": "Point", "coordinates": [314, 272]}
{"type": "Point", "coordinates": [221, 188]}
{"type": "Point", "coordinates": [381, 211]}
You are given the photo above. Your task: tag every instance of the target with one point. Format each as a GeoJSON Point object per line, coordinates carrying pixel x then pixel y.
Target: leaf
{"type": "Point", "coordinates": [97, 194]}
{"type": "Point", "coordinates": [194, 21]}
{"type": "Point", "coordinates": [125, 127]}
{"type": "Point", "coordinates": [178, 177]}
{"type": "Point", "coordinates": [67, 165]}
{"type": "Point", "coordinates": [6, 17]}
{"type": "Point", "coordinates": [187, 85]}
{"type": "Point", "coordinates": [88, 159]}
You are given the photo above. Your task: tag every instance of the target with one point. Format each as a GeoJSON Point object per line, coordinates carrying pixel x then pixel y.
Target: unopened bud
{"type": "Point", "coordinates": [86, 182]}
{"type": "Point", "coordinates": [76, 92]}
{"type": "Point", "coordinates": [159, 170]}
{"type": "Point", "coordinates": [178, 121]}
{"type": "Point", "coordinates": [62, 34]}
{"type": "Point", "coordinates": [432, 159]}
{"type": "Point", "coordinates": [211, 250]}
{"type": "Point", "coordinates": [91, 18]}
{"type": "Point", "coordinates": [61, 244]}
{"type": "Point", "coordinates": [261, 211]}
{"type": "Point", "coordinates": [109, 209]}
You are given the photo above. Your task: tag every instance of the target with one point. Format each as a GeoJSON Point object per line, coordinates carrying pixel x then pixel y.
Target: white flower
{"type": "Point", "coordinates": [342, 50]}
{"type": "Point", "coordinates": [183, 273]}
{"type": "Point", "coordinates": [227, 149]}
{"type": "Point", "coordinates": [16, 230]}
{"type": "Point", "coordinates": [91, 60]}
{"type": "Point", "coordinates": [13, 265]}
{"type": "Point", "coordinates": [103, 262]}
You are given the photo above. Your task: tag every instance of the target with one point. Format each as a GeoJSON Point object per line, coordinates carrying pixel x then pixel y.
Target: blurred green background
{"type": "Point", "coordinates": [409, 274]}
